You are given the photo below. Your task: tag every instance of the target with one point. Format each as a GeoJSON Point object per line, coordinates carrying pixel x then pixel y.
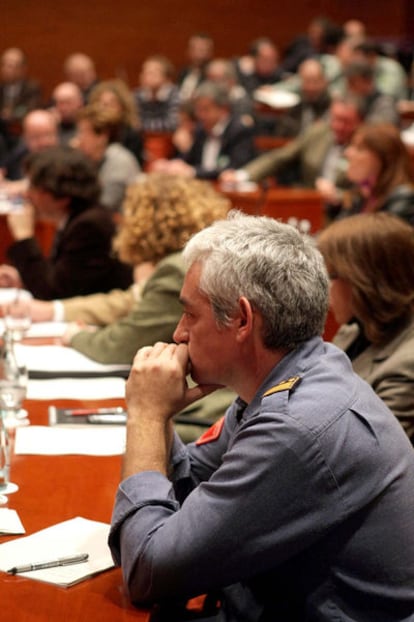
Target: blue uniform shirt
{"type": "Point", "coordinates": [301, 509]}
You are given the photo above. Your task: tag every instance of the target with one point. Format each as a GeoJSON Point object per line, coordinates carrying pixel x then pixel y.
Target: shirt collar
{"type": "Point", "coordinates": [218, 129]}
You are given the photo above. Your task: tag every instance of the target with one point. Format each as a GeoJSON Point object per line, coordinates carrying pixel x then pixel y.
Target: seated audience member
{"type": "Point", "coordinates": [319, 151]}
{"type": "Point", "coordinates": [63, 189]}
{"type": "Point", "coordinates": [200, 49]}
{"type": "Point", "coordinates": [379, 107]}
{"type": "Point", "coordinates": [298, 505]}
{"type": "Point", "coordinates": [337, 60]}
{"type": "Point", "coordinates": [221, 140]}
{"type": "Point", "coordinates": [223, 72]}
{"type": "Point", "coordinates": [266, 67]}
{"type": "Point", "coordinates": [380, 168]}
{"type": "Point", "coordinates": [183, 137]}
{"type": "Point", "coordinates": [67, 100]}
{"type": "Point", "coordinates": [96, 136]}
{"type": "Point", "coordinates": [370, 259]}
{"type": "Point", "coordinates": [160, 214]}
{"type": "Point", "coordinates": [305, 46]}
{"type": "Point", "coordinates": [157, 97]}
{"type": "Point", "coordinates": [390, 77]}
{"type": "Point", "coordinates": [355, 28]}
{"type": "Point", "coordinates": [18, 93]}
{"type": "Point", "coordinates": [266, 72]}
{"type": "Point", "coordinates": [80, 69]}
{"type": "Point", "coordinates": [116, 96]}
{"type": "Point", "coordinates": [39, 132]}
{"type": "Point", "coordinates": [315, 99]}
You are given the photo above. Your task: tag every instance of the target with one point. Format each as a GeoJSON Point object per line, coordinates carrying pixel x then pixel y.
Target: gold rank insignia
{"type": "Point", "coordinates": [285, 385]}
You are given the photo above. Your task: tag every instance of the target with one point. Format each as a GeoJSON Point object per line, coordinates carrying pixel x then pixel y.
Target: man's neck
{"type": "Point", "coordinates": [254, 373]}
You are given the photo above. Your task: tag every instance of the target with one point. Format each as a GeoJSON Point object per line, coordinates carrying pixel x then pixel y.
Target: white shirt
{"type": "Point", "coordinates": [212, 146]}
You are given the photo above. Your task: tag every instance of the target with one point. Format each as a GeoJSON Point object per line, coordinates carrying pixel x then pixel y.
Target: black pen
{"type": "Point", "coordinates": [60, 561]}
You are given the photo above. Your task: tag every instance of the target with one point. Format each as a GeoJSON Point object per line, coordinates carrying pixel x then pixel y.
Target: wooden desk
{"type": "Point", "coordinates": [299, 203]}
{"type": "Point", "coordinates": [281, 203]}
{"type": "Point", "coordinates": [268, 143]}
{"type": "Point", "coordinates": [248, 202]}
{"type": "Point", "coordinates": [53, 489]}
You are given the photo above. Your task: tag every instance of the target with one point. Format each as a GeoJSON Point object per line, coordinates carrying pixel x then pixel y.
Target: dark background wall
{"type": "Point", "coordinates": [120, 34]}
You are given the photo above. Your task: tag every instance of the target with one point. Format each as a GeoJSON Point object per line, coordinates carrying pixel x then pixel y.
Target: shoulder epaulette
{"type": "Point", "coordinates": [285, 385]}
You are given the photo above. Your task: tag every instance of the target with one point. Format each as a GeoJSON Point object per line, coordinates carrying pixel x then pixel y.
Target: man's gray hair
{"type": "Point", "coordinates": [277, 269]}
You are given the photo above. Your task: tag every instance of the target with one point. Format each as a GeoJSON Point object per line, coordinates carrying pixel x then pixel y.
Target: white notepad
{"type": "Point", "coordinates": [71, 537]}
{"type": "Point", "coordinates": [10, 522]}
{"type": "Point", "coordinates": [76, 388]}
{"type": "Point", "coordinates": [95, 440]}
{"type": "Point", "coordinates": [54, 361]}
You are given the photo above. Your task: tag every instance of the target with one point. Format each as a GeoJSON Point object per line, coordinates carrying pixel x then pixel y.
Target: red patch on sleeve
{"type": "Point", "coordinates": [212, 434]}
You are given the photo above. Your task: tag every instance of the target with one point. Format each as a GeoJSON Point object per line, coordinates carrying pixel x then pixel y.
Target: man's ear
{"type": "Point", "coordinates": [244, 319]}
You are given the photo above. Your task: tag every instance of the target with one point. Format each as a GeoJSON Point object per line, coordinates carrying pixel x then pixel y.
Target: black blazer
{"type": "Point", "coordinates": [81, 261]}
{"type": "Point", "coordinates": [237, 148]}
{"type": "Point", "coordinates": [28, 97]}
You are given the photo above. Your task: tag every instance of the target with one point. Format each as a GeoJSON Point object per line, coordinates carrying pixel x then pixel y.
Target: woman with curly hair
{"type": "Point", "coordinates": [114, 95]}
{"type": "Point", "coordinates": [370, 258]}
{"type": "Point", "coordinates": [160, 214]}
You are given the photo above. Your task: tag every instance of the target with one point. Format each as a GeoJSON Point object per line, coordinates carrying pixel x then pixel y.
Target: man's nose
{"type": "Point", "coordinates": [180, 334]}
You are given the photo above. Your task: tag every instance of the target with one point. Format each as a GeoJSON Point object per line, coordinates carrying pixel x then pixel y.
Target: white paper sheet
{"type": "Point", "coordinates": [56, 360]}
{"type": "Point", "coordinates": [77, 535]}
{"type": "Point", "coordinates": [42, 329]}
{"type": "Point", "coordinates": [97, 440]}
{"type": "Point", "coordinates": [76, 388]}
{"type": "Point", "coordinates": [47, 329]}
{"type": "Point", "coordinates": [10, 522]}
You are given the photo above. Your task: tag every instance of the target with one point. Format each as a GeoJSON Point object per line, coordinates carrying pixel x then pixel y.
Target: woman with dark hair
{"type": "Point", "coordinates": [381, 170]}
{"type": "Point", "coordinates": [64, 190]}
{"type": "Point", "coordinates": [370, 258]}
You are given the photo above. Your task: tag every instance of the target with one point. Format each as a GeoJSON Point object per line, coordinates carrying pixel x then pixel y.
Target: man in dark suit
{"type": "Point", "coordinates": [80, 69]}
{"type": "Point", "coordinates": [64, 190]}
{"type": "Point", "coordinates": [39, 132]}
{"type": "Point", "coordinates": [18, 94]}
{"type": "Point", "coordinates": [221, 140]}
{"type": "Point", "coordinates": [200, 51]}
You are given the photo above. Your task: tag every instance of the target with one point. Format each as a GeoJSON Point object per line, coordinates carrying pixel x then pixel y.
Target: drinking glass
{"type": "Point", "coordinates": [4, 459]}
{"type": "Point", "coordinates": [16, 316]}
{"type": "Point", "coordinates": [13, 390]}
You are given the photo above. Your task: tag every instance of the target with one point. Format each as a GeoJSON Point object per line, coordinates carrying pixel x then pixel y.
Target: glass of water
{"type": "Point", "coordinates": [17, 317]}
{"type": "Point", "coordinates": [4, 459]}
{"type": "Point", "coordinates": [13, 389]}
